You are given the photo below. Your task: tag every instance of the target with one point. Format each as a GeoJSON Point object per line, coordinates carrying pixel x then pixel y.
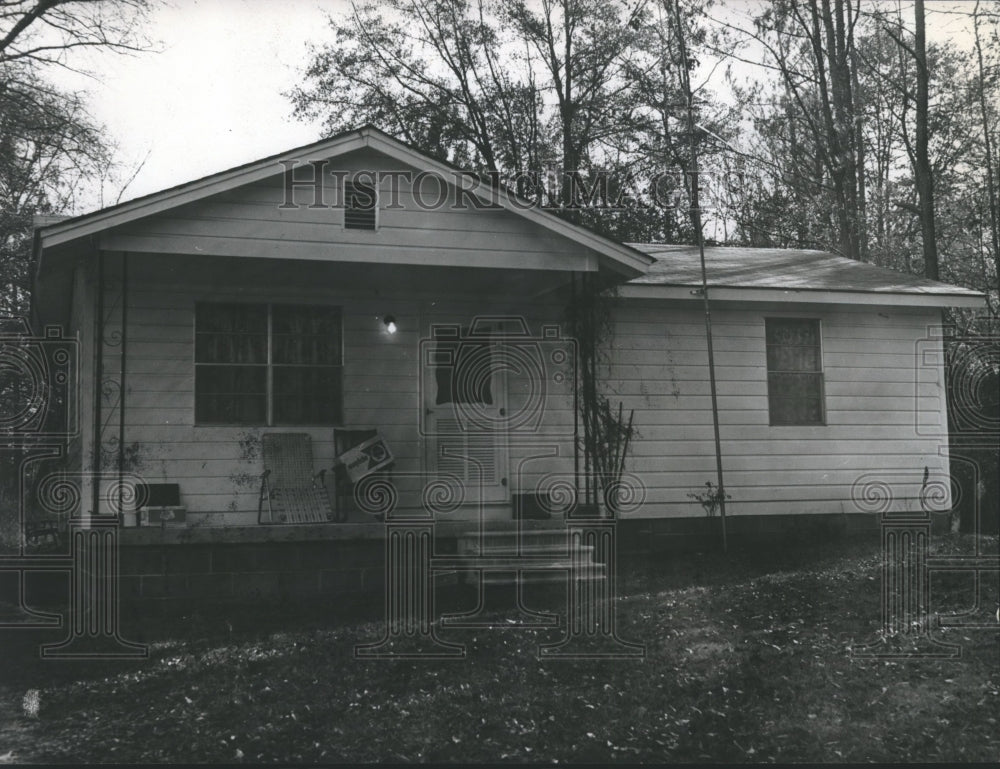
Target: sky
{"type": "Point", "coordinates": [210, 96]}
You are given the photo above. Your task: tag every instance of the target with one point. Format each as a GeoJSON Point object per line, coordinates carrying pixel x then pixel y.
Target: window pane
{"type": "Point", "coordinates": [469, 379]}
{"type": "Point", "coordinates": [230, 333]}
{"type": "Point", "coordinates": [308, 336]}
{"type": "Point", "coordinates": [795, 398]}
{"type": "Point", "coordinates": [230, 394]}
{"type": "Point", "coordinates": [797, 412]}
{"type": "Point", "coordinates": [307, 395]}
{"type": "Point", "coordinates": [793, 358]}
{"type": "Point", "coordinates": [794, 366]}
{"type": "Point", "coordinates": [305, 354]}
{"type": "Point", "coordinates": [792, 331]}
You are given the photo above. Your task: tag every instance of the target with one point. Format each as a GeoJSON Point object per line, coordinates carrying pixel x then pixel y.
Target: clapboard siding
{"type": "Point", "coordinates": [219, 467]}
{"type": "Point", "coordinates": [877, 385]}
{"type": "Point", "coordinates": [884, 398]}
{"type": "Point", "coordinates": [252, 219]}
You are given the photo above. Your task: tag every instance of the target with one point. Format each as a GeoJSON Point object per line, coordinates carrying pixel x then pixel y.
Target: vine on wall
{"type": "Point", "coordinates": [607, 431]}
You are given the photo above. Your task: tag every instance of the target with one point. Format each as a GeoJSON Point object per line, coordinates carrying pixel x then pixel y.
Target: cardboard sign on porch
{"type": "Point", "coordinates": [365, 458]}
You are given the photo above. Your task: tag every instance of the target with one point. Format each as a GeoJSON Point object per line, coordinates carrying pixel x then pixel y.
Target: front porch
{"type": "Point", "coordinates": [178, 347]}
{"type": "Point", "coordinates": [273, 298]}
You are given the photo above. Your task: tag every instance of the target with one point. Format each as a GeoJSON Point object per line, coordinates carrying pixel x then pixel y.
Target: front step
{"type": "Point", "coordinates": [535, 576]}
{"type": "Point", "coordinates": [529, 556]}
{"type": "Point", "coordinates": [510, 539]}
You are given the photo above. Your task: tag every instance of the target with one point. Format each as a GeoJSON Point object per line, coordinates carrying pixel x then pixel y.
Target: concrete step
{"type": "Point", "coordinates": [511, 538]}
{"type": "Point", "coordinates": [535, 577]}
{"type": "Point", "coordinates": [528, 556]}
{"type": "Point", "coordinates": [526, 535]}
{"type": "Point", "coordinates": [498, 562]}
{"type": "Point", "coordinates": [533, 550]}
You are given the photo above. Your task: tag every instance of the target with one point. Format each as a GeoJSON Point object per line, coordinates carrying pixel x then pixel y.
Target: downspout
{"type": "Point", "coordinates": [121, 392]}
{"type": "Point", "coordinates": [576, 395]}
{"type": "Point", "coordinates": [98, 373]}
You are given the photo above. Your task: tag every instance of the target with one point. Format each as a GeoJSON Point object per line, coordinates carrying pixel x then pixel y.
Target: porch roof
{"type": "Point", "coordinates": [787, 274]}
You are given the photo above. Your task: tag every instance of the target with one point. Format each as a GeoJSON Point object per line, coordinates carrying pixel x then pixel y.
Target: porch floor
{"type": "Point", "coordinates": [178, 534]}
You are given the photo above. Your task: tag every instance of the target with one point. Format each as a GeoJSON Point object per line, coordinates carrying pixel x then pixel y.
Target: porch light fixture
{"type": "Point", "coordinates": [390, 324]}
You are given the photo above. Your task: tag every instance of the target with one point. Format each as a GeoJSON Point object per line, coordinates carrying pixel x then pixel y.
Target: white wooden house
{"type": "Point", "coordinates": [254, 301]}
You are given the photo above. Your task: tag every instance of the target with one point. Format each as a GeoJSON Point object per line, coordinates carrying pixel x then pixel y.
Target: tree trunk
{"type": "Point", "coordinates": [922, 164]}
{"type": "Point", "coordinates": [988, 152]}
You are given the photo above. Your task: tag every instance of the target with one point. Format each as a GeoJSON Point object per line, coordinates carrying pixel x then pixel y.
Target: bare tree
{"type": "Point", "coordinates": [989, 160]}
{"type": "Point", "coordinates": [48, 146]}
{"type": "Point", "coordinates": [916, 50]}
{"type": "Point", "coordinates": [434, 72]}
{"type": "Point", "coordinates": [48, 142]}
{"type": "Point", "coordinates": [498, 86]}
{"type": "Point", "coordinates": [811, 48]}
{"type": "Point", "coordinates": [44, 32]}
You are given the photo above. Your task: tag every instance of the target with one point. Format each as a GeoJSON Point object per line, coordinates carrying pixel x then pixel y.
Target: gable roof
{"type": "Point", "coordinates": [619, 257]}
{"type": "Point", "coordinates": [787, 274]}
{"type": "Point", "coordinates": [654, 270]}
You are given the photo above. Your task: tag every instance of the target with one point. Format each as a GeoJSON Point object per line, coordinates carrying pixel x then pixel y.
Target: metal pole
{"type": "Point", "coordinates": [576, 389]}
{"type": "Point", "coordinates": [697, 224]}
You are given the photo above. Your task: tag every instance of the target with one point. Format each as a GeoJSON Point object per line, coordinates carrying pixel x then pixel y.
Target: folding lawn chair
{"type": "Point", "coordinates": [290, 492]}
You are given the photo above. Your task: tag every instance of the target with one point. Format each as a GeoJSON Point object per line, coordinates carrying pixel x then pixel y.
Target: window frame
{"type": "Point", "coordinates": [821, 371]}
{"type": "Point", "coordinates": [352, 184]}
{"type": "Point", "coordinates": [269, 364]}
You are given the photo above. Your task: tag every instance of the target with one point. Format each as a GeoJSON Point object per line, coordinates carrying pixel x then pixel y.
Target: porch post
{"type": "Point", "coordinates": [97, 384]}
{"type": "Point", "coordinates": [123, 390]}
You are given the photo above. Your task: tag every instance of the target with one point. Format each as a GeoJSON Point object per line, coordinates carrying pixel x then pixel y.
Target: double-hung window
{"type": "Point", "coordinates": [268, 364]}
{"type": "Point", "coordinates": [794, 371]}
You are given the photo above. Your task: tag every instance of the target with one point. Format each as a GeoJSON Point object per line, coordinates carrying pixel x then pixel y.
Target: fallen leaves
{"type": "Point", "coordinates": [745, 670]}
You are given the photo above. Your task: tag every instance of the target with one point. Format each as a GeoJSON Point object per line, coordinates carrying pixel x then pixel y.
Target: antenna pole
{"type": "Point", "coordinates": [697, 225]}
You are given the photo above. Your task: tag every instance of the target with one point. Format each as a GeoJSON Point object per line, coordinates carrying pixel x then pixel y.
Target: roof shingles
{"type": "Point", "coordinates": [780, 268]}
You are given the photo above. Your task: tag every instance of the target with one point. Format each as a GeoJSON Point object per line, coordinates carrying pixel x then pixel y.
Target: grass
{"type": "Point", "coordinates": [747, 660]}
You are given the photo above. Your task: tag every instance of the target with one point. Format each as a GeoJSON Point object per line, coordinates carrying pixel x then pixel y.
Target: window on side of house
{"type": "Point", "coordinates": [261, 364]}
{"type": "Point", "coordinates": [794, 371]}
{"type": "Point", "coordinates": [360, 206]}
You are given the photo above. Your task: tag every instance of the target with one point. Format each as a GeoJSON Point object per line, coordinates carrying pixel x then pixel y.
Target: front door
{"type": "Point", "coordinates": [464, 401]}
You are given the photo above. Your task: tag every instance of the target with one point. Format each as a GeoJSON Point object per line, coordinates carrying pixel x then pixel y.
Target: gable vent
{"type": "Point", "coordinates": [360, 205]}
